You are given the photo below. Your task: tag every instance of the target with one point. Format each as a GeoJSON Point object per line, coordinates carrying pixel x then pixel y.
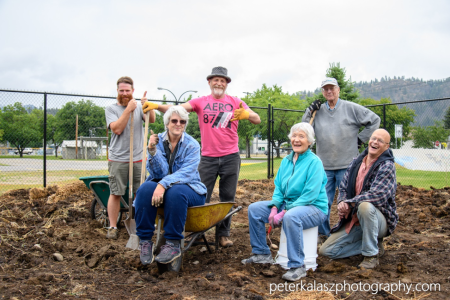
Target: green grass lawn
{"type": "Point", "coordinates": [420, 179]}
{"type": "Point", "coordinates": [423, 179]}
{"type": "Point", "coordinates": [31, 179]}
{"type": "Point", "coordinates": [252, 171]}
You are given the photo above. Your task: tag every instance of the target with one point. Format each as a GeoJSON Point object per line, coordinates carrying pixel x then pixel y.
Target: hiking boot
{"type": "Point", "coordinates": [169, 252]}
{"type": "Point", "coordinates": [369, 262]}
{"type": "Point", "coordinates": [113, 233]}
{"type": "Point", "coordinates": [294, 274]}
{"type": "Point", "coordinates": [224, 241]}
{"type": "Point", "coordinates": [259, 259]}
{"type": "Point", "coordinates": [380, 247]}
{"type": "Point", "coordinates": [146, 255]}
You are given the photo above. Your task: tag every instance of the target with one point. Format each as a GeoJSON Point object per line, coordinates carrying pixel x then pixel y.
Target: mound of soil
{"type": "Point", "coordinates": [51, 249]}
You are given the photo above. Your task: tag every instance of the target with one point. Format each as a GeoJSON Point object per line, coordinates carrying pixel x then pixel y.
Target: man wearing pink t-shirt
{"type": "Point", "coordinates": [218, 116]}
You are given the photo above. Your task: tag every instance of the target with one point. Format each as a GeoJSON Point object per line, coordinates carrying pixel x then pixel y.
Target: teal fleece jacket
{"type": "Point", "coordinates": [302, 183]}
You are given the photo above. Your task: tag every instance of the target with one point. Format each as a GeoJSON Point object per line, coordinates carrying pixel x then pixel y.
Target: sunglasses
{"type": "Point", "coordinates": [182, 122]}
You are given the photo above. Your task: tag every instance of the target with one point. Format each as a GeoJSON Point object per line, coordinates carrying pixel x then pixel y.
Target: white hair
{"type": "Point", "coordinates": [306, 128]}
{"type": "Point", "coordinates": [179, 110]}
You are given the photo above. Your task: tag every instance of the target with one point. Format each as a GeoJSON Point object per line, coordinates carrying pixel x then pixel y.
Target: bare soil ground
{"type": "Point", "coordinates": [38, 224]}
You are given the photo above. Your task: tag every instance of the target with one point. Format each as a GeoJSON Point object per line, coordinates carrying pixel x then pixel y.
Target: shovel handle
{"type": "Point", "coordinates": [130, 175]}
{"type": "Point", "coordinates": [144, 152]}
{"type": "Point", "coordinates": [312, 118]}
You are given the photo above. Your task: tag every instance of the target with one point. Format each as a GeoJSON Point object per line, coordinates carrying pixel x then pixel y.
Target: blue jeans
{"type": "Point", "coordinates": [294, 222]}
{"type": "Point", "coordinates": [176, 201]}
{"type": "Point", "coordinates": [334, 178]}
{"type": "Point", "coordinates": [361, 239]}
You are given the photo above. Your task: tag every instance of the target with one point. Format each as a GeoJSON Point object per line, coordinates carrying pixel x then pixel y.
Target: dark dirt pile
{"type": "Point", "coordinates": [51, 249]}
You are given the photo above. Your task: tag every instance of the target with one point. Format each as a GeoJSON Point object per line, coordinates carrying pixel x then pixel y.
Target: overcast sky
{"type": "Point", "coordinates": [85, 46]}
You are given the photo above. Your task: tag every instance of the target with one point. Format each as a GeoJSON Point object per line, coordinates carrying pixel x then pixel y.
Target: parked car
{"type": "Point", "coordinates": [25, 151]}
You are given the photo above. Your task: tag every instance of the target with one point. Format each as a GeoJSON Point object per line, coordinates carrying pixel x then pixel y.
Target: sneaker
{"type": "Point", "coordinates": [224, 241]}
{"type": "Point", "coordinates": [169, 252]}
{"type": "Point", "coordinates": [113, 233]}
{"type": "Point", "coordinates": [294, 274]}
{"type": "Point", "coordinates": [259, 259]}
{"type": "Point", "coordinates": [146, 255]}
{"type": "Point", "coordinates": [369, 262]}
{"type": "Point", "coordinates": [380, 247]}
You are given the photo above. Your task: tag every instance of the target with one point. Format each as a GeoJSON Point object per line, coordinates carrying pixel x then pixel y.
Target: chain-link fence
{"type": "Point", "coordinates": [419, 140]}
{"type": "Point", "coordinates": [73, 130]}
{"type": "Point", "coordinates": [55, 138]}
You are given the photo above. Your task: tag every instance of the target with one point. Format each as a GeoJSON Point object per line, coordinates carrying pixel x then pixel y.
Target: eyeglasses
{"type": "Point", "coordinates": [325, 89]}
{"type": "Point", "coordinates": [182, 122]}
{"type": "Point", "coordinates": [373, 139]}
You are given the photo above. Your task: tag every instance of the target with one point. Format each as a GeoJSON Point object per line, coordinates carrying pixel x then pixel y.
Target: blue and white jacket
{"type": "Point", "coordinates": [184, 168]}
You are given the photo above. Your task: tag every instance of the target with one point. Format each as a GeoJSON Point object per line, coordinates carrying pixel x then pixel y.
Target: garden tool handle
{"type": "Point", "coordinates": [144, 152]}
{"type": "Point", "coordinates": [312, 118]}
{"type": "Point", "coordinates": [130, 175]}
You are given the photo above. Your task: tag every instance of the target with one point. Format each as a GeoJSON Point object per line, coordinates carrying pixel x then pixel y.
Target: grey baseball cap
{"type": "Point", "coordinates": [329, 80]}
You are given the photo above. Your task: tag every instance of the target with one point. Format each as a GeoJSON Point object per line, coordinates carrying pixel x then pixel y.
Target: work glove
{"type": "Point", "coordinates": [314, 106]}
{"type": "Point", "coordinates": [148, 106]}
{"type": "Point", "coordinates": [240, 113]}
{"type": "Point", "coordinates": [273, 212]}
{"type": "Point", "coordinates": [278, 217]}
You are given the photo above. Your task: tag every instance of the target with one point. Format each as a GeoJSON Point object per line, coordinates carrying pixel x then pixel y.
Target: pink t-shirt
{"type": "Point", "coordinates": [219, 136]}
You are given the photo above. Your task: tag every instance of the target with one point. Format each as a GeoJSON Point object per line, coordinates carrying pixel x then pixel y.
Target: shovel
{"type": "Point", "coordinates": [133, 241]}
{"type": "Point", "coordinates": [130, 224]}
{"type": "Point", "coordinates": [312, 118]}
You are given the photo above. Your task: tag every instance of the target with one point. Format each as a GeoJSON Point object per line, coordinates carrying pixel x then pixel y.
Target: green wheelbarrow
{"type": "Point", "coordinates": [99, 185]}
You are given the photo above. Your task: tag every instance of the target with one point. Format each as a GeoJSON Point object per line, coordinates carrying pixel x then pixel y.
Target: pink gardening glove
{"type": "Point", "coordinates": [273, 212]}
{"type": "Point", "coordinates": [277, 219]}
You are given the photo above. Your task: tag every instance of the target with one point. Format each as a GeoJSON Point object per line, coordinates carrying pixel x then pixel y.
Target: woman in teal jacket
{"type": "Point", "coordinates": [299, 200]}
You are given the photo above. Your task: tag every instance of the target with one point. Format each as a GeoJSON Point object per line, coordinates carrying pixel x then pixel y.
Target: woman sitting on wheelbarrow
{"type": "Point", "coordinates": [174, 183]}
{"type": "Point", "coordinates": [299, 201]}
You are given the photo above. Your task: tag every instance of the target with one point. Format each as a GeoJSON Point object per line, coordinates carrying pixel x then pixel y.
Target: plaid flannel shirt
{"type": "Point", "coordinates": [378, 189]}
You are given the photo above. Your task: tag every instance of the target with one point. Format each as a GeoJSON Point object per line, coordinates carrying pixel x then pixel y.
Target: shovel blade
{"type": "Point", "coordinates": [133, 242]}
{"type": "Point", "coordinates": [130, 224]}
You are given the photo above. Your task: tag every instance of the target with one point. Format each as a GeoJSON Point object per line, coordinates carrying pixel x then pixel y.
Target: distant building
{"type": "Point", "coordinates": [88, 148]}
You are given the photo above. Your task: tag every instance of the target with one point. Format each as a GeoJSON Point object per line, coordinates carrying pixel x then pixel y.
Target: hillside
{"type": "Point", "coordinates": [399, 89]}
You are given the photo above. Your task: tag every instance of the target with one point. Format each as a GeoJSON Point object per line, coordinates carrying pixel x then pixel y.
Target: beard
{"type": "Point", "coordinates": [124, 99]}
{"type": "Point", "coordinates": [218, 92]}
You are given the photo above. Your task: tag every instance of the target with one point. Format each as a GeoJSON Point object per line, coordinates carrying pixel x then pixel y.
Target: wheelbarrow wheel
{"type": "Point", "coordinates": [174, 266]}
{"type": "Point", "coordinates": [101, 215]}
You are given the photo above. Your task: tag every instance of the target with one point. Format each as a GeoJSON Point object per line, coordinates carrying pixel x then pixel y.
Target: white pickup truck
{"type": "Point", "coordinates": [25, 151]}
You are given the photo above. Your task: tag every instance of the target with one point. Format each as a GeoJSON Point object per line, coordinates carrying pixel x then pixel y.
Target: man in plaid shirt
{"type": "Point", "coordinates": [366, 204]}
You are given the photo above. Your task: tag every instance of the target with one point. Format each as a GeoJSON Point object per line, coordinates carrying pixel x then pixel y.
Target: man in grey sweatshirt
{"type": "Point", "coordinates": [336, 126]}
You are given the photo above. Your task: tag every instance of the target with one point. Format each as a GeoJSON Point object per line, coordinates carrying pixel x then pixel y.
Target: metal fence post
{"type": "Point", "coordinates": [384, 116]}
{"type": "Point", "coordinates": [45, 140]}
{"type": "Point", "coordinates": [268, 140]}
{"type": "Point", "coordinates": [271, 139]}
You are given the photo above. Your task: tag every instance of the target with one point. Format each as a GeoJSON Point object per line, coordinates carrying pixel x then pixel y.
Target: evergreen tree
{"type": "Point", "coordinates": [447, 119]}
